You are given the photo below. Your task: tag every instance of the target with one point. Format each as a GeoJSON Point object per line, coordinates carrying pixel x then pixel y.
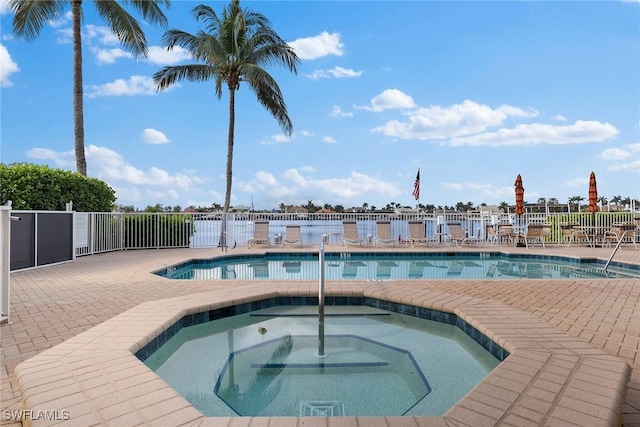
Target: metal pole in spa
{"type": "Point", "coordinates": [320, 352]}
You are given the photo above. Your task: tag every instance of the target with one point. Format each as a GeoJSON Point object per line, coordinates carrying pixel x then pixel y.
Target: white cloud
{"type": "Point", "coordinates": [624, 159]}
{"type": "Point", "coordinates": [318, 46]}
{"type": "Point", "coordinates": [329, 140]}
{"type": "Point", "coordinates": [336, 111]}
{"type": "Point", "coordinates": [278, 139]}
{"type": "Point", "coordinates": [390, 99]}
{"type": "Point", "coordinates": [161, 56]}
{"type": "Point", "coordinates": [64, 35]}
{"type": "Point", "coordinates": [7, 67]}
{"type": "Point", "coordinates": [4, 7]}
{"type": "Point", "coordinates": [136, 85]}
{"type": "Point", "coordinates": [109, 56]}
{"type": "Point", "coordinates": [62, 21]}
{"type": "Point", "coordinates": [577, 182]}
{"type": "Point", "coordinates": [153, 136]}
{"type": "Point", "coordinates": [489, 191]}
{"type": "Point", "coordinates": [511, 111]}
{"type": "Point", "coordinates": [101, 34]}
{"type": "Point", "coordinates": [296, 188]}
{"type": "Point", "coordinates": [559, 118]}
{"type": "Point", "coordinates": [533, 134]}
{"type": "Point", "coordinates": [437, 122]}
{"type": "Point", "coordinates": [336, 73]}
{"type": "Point", "coordinates": [112, 168]}
{"type": "Point", "coordinates": [60, 159]}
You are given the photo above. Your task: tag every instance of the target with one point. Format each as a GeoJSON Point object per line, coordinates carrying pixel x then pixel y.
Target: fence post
{"type": "Point", "coordinates": [5, 260]}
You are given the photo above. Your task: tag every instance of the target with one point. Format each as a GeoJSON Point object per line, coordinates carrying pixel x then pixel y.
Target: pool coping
{"type": "Point", "coordinates": [550, 377]}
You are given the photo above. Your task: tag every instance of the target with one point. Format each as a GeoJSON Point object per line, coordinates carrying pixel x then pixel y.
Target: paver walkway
{"type": "Point", "coordinates": [52, 304]}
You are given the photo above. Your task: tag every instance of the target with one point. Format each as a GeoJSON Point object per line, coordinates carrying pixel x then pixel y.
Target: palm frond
{"type": "Point", "coordinates": [124, 26]}
{"type": "Point", "coordinates": [208, 17]}
{"type": "Point", "coordinates": [150, 10]}
{"type": "Point", "coordinates": [29, 16]}
{"type": "Point", "coordinates": [269, 95]}
{"type": "Point", "coordinates": [168, 76]}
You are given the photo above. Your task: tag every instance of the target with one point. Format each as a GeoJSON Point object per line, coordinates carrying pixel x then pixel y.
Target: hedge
{"type": "Point", "coordinates": [39, 187]}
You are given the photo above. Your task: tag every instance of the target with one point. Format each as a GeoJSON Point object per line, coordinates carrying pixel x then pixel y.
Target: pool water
{"type": "Point", "coordinates": [377, 363]}
{"type": "Point", "coordinates": [394, 266]}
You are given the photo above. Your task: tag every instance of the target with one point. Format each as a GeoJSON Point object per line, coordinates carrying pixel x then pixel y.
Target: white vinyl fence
{"type": "Point", "coordinates": [104, 232]}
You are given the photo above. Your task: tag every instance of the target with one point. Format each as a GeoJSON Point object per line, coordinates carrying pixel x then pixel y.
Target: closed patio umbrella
{"type": "Point", "coordinates": [519, 204]}
{"type": "Point", "coordinates": [593, 193]}
{"type": "Point", "coordinates": [519, 196]}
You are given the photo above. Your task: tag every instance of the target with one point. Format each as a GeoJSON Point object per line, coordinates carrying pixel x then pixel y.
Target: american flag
{"type": "Point", "coordinates": [416, 186]}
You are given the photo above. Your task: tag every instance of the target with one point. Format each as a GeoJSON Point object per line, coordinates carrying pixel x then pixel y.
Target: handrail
{"type": "Point", "coordinates": [224, 245]}
{"type": "Point", "coordinates": [622, 237]}
{"type": "Point", "coordinates": [612, 255]}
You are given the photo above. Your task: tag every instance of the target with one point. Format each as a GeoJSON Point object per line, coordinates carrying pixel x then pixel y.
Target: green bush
{"type": "Point", "coordinates": [39, 187]}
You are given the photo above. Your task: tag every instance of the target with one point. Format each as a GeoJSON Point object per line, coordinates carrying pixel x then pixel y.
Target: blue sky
{"type": "Point", "coordinates": [472, 93]}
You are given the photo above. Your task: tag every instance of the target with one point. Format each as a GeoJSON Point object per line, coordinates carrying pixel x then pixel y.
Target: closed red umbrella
{"type": "Point", "coordinates": [593, 193]}
{"type": "Point", "coordinates": [519, 196]}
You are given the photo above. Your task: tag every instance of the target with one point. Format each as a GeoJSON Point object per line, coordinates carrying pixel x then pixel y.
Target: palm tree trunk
{"type": "Point", "coordinates": [78, 116]}
{"type": "Point", "coordinates": [227, 196]}
{"type": "Point", "coordinates": [232, 121]}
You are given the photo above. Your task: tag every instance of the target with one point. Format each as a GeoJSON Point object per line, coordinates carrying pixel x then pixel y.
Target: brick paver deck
{"type": "Point", "coordinates": [53, 304]}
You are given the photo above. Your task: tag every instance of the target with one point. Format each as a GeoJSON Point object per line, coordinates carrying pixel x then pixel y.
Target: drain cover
{"type": "Point", "coordinates": [325, 408]}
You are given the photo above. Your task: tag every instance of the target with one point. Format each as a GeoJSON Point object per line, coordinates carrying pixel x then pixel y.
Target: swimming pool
{"type": "Point", "coordinates": [395, 266]}
{"type": "Point", "coordinates": [379, 361]}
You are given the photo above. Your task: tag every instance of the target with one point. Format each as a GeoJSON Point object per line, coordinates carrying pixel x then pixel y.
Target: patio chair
{"type": "Point", "coordinates": [505, 233]}
{"type": "Point", "coordinates": [572, 233]}
{"type": "Point", "coordinates": [458, 235]}
{"type": "Point", "coordinates": [350, 233]}
{"type": "Point", "coordinates": [492, 236]}
{"type": "Point", "coordinates": [418, 234]}
{"type": "Point", "coordinates": [260, 234]}
{"type": "Point", "coordinates": [383, 234]}
{"type": "Point", "coordinates": [619, 233]}
{"type": "Point", "coordinates": [534, 234]}
{"type": "Point", "coordinates": [291, 235]}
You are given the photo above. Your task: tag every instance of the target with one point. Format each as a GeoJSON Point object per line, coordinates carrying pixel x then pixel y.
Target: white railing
{"type": "Point", "coordinates": [104, 232]}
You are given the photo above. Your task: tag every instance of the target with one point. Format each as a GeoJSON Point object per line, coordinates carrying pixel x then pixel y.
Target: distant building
{"type": "Point", "coordinates": [297, 210]}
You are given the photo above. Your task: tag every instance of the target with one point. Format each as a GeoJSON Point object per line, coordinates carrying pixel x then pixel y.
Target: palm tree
{"type": "Point", "coordinates": [30, 16]}
{"type": "Point", "coordinates": [233, 49]}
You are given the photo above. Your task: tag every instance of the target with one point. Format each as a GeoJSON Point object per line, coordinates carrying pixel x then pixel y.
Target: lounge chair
{"type": "Point", "coordinates": [350, 233]}
{"type": "Point", "coordinates": [350, 270]}
{"type": "Point", "coordinates": [418, 234]}
{"type": "Point", "coordinates": [458, 235]}
{"type": "Point", "coordinates": [260, 234]}
{"type": "Point", "coordinates": [260, 270]}
{"type": "Point", "coordinates": [455, 269]}
{"type": "Point", "coordinates": [383, 270]}
{"type": "Point", "coordinates": [573, 234]}
{"type": "Point", "coordinates": [383, 234]}
{"type": "Point", "coordinates": [292, 266]}
{"type": "Point", "coordinates": [291, 235]}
